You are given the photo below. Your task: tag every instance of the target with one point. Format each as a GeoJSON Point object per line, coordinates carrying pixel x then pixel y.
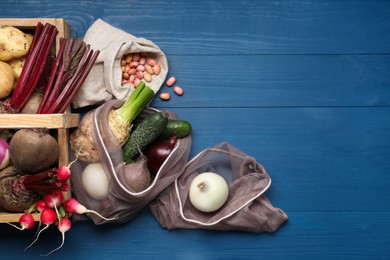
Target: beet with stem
{"type": "Point", "coordinates": [18, 191]}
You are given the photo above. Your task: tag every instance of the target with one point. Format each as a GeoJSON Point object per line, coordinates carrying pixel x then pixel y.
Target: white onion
{"type": "Point", "coordinates": [95, 181]}
{"type": "Point", "coordinates": [208, 192]}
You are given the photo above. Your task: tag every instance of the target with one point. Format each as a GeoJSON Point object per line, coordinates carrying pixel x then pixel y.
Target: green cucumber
{"type": "Point", "coordinates": [146, 132]}
{"type": "Point", "coordinates": [181, 128]}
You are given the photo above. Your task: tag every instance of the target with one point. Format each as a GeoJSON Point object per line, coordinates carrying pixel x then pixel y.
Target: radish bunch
{"type": "Point", "coordinates": [54, 210]}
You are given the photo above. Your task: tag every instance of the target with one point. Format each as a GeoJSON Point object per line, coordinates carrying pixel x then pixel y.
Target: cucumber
{"type": "Point", "coordinates": [181, 128]}
{"type": "Point", "coordinates": [146, 132]}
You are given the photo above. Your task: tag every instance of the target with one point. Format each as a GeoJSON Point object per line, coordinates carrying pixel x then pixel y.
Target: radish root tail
{"type": "Point", "coordinates": [36, 237]}
{"type": "Point", "coordinates": [15, 226]}
{"type": "Point", "coordinates": [96, 213]}
{"type": "Point", "coordinates": [63, 241]}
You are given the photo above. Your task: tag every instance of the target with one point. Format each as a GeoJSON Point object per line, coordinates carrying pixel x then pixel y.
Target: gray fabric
{"type": "Point", "coordinates": [122, 201]}
{"type": "Point", "coordinates": [104, 80]}
{"type": "Point", "coordinates": [247, 208]}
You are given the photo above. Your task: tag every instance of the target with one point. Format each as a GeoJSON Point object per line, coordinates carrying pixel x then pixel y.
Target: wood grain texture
{"type": "Point", "coordinates": [231, 27]}
{"type": "Point", "coordinates": [302, 86]}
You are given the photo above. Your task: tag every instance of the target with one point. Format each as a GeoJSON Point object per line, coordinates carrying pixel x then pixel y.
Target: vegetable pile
{"type": "Point", "coordinates": [153, 136]}
{"type": "Point", "coordinates": [35, 80]}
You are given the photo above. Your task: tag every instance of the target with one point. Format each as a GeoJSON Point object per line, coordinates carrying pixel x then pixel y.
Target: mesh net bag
{"type": "Point", "coordinates": [122, 202]}
{"type": "Point", "coordinates": [247, 208]}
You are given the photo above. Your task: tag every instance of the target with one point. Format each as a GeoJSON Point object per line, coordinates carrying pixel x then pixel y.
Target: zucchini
{"type": "Point", "coordinates": [181, 128]}
{"type": "Point", "coordinates": [148, 130]}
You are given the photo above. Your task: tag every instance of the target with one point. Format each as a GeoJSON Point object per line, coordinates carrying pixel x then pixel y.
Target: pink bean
{"type": "Point", "coordinates": [139, 75]}
{"type": "Point", "coordinates": [132, 78]}
{"type": "Point", "coordinates": [156, 69]}
{"type": "Point", "coordinates": [147, 77]}
{"type": "Point", "coordinates": [140, 68]}
{"type": "Point", "coordinates": [151, 61]}
{"type": "Point", "coordinates": [170, 81]}
{"type": "Point", "coordinates": [142, 60]}
{"type": "Point", "coordinates": [136, 56]}
{"type": "Point", "coordinates": [165, 96]}
{"type": "Point", "coordinates": [178, 90]}
{"type": "Point", "coordinates": [149, 69]}
{"type": "Point", "coordinates": [133, 64]}
{"type": "Point", "coordinates": [136, 82]}
{"type": "Point", "coordinates": [128, 57]}
{"type": "Point", "coordinates": [132, 71]}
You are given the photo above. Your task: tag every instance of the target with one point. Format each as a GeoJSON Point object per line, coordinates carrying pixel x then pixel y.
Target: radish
{"type": "Point", "coordinates": [73, 206]}
{"type": "Point", "coordinates": [40, 205]}
{"type": "Point", "coordinates": [48, 217]}
{"type": "Point", "coordinates": [26, 221]}
{"type": "Point", "coordinates": [63, 173]}
{"type": "Point", "coordinates": [53, 199]}
{"type": "Point", "coordinates": [64, 225]}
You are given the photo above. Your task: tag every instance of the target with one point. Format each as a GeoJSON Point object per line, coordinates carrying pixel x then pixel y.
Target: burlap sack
{"type": "Point", "coordinates": [247, 208]}
{"type": "Point", "coordinates": [104, 81]}
{"type": "Point", "coordinates": [122, 201]}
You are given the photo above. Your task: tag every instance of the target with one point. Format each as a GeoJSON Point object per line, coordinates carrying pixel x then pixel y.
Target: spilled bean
{"type": "Point", "coordinates": [165, 96]}
{"type": "Point", "coordinates": [178, 90]}
{"type": "Point", "coordinates": [170, 81]}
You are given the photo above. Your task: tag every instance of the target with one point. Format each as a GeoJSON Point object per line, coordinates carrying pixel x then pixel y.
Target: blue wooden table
{"type": "Point", "coordinates": [302, 86]}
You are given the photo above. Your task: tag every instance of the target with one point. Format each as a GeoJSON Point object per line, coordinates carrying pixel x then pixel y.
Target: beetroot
{"type": "Point", "coordinates": [33, 150]}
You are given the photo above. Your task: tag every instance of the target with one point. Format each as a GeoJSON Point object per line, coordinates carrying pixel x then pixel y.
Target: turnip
{"type": "Point", "coordinates": [73, 206]}
{"type": "Point", "coordinates": [33, 150]}
{"type": "Point", "coordinates": [119, 121]}
{"type": "Point", "coordinates": [63, 225]}
{"type": "Point", "coordinates": [47, 217]}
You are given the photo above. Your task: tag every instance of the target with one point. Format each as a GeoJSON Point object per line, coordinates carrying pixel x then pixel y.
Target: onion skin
{"type": "Point", "coordinates": [208, 192]}
{"type": "Point", "coordinates": [158, 152]}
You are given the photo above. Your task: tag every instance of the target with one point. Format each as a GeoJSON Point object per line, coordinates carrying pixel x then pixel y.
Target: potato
{"type": "Point", "coordinates": [29, 37]}
{"type": "Point", "coordinates": [17, 66]}
{"type": "Point", "coordinates": [13, 43]}
{"type": "Point", "coordinates": [7, 79]}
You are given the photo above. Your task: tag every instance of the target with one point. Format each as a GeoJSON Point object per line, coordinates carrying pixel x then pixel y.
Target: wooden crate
{"type": "Point", "coordinates": [61, 122]}
{"type": "Point", "coordinates": [29, 24]}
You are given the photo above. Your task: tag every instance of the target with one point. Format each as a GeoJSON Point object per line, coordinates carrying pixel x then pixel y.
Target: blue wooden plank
{"type": "Point", "coordinates": [319, 158]}
{"type": "Point", "coordinates": [314, 112]}
{"type": "Point", "coordinates": [231, 27]}
{"type": "Point", "coordinates": [280, 80]}
{"type": "Point", "coordinates": [314, 234]}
